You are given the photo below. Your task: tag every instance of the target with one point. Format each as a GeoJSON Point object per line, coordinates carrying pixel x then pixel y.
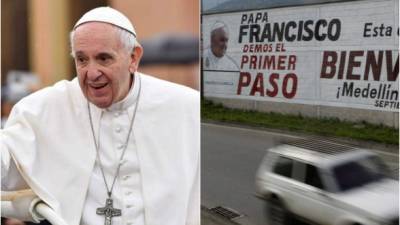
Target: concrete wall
{"type": "Point", "coordinates": [314, 83]}
{"type": "Point", "coordinates": [390, 119]}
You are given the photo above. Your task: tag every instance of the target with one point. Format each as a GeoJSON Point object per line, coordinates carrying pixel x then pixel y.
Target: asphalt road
{"type": "Point", "coordinates": [230, 158]}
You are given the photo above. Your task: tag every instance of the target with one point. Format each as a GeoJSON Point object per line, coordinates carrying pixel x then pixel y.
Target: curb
{"type": "Point", "coordinates": [394, 149]}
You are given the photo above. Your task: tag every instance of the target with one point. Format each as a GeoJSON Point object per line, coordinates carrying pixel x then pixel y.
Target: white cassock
{"type": "Point", "coordinates": [211, 62]}
{"type": "Point", "coordinates": [48, 141]}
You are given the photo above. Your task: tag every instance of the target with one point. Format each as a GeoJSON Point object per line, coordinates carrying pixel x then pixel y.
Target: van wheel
{"type": "Point", "coordinates": [277, 213]}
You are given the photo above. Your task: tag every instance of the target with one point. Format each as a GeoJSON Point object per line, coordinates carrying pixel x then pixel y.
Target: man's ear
{"type": "Point", "coordinates": [136, 55]}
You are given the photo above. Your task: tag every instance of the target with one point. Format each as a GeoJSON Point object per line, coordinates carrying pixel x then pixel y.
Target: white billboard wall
{"type": "Point", "coordinates": [341, 55]}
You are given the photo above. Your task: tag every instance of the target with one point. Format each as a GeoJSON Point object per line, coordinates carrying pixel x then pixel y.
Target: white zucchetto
{"type": "Point", "coordinates": [107, 15]}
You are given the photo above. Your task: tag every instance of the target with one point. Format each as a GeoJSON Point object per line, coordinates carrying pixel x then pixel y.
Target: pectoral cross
{"type": "Point", "coordinates": [108, 211]}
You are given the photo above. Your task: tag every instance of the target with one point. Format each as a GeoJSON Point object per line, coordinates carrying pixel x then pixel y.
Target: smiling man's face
{"type": "Point", "coordinates": [102, 63]}
{"type": "Point", "coordinates": [219, 42]}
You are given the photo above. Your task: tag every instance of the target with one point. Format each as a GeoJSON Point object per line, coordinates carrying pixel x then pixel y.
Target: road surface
{"type": "Point", "coordinates": [230, 157]}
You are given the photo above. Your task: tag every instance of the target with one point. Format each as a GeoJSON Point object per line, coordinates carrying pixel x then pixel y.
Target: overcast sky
{"type": "Point", "coordinates": [208, 4]}
{"type": "Point", "coordinates": [254, 4]}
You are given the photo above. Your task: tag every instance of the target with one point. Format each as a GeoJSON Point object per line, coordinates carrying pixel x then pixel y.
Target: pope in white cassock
{"type": "Point", "coordinates": [112, 146]}
{"type": "Point", "coordinates": [215, 57]}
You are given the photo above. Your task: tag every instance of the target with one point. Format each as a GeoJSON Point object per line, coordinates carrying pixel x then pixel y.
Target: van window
{"type": "Point", "coordinates": [360, 172]}
{"type": "Point", "coordinates": [312, 177]}
{"type": "Point", "coordinates": [284, 166]}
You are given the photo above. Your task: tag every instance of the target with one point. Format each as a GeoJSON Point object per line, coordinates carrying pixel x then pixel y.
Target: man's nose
{"type": "Point", "coordinates": [93, 72]}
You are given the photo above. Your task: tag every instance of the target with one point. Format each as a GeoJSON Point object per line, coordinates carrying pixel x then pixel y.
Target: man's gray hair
{"type": "Point", "coordinates": [128, 40]}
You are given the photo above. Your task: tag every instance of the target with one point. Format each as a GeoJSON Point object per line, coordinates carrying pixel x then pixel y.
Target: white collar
{"type": "Point", "coordinates": [129, 99]}
{"type": "Point", "coordinates": [212, 56]}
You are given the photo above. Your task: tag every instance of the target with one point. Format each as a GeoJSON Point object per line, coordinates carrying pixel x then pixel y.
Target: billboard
{"type": "Point", "coordinates": [340, 54]}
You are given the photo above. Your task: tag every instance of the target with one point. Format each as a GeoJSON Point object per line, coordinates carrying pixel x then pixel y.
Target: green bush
{"type": "Point", "coordinates": [326, 126]}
